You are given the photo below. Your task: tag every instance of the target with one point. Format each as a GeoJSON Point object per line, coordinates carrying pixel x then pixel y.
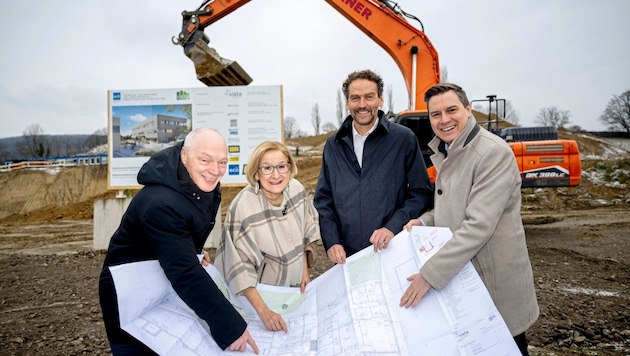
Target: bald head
{"type": "Point", "coordinates": [204, 155]}
{"type": "Point", "coordinates": [201, 134]}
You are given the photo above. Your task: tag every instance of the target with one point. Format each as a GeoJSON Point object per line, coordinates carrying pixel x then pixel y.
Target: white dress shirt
{"type": "Point", "coordinates": [359, 141]}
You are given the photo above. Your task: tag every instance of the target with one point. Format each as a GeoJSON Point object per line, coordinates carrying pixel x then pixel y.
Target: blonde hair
{"type": "Point", "coordinates": [259, 152]}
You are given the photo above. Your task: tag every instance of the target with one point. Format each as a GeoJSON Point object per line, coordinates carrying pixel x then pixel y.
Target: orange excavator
{"type": "Point", "coordinates": [543, 163]}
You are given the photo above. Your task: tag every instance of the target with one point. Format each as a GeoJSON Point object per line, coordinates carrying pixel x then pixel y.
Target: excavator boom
{"type": "Point", "coordinates": [383, 22]}
{"type": "Point", "coordinates": [380, 20]}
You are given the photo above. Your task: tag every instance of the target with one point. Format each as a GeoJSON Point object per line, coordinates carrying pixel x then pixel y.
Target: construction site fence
{"type": "Point", "coordinates": [54, 162]}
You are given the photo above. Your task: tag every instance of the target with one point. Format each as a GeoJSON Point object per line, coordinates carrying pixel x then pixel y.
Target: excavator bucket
{"type": "Point", "coordinates": [214, 70]}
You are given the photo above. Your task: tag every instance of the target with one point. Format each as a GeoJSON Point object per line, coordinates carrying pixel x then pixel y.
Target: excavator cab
{"type": "Point", "coordinates": [418, 122]}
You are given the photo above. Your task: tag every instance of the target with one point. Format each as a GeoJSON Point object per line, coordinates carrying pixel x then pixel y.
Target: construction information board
{"type": "Point", "coordinates": [143, 122]}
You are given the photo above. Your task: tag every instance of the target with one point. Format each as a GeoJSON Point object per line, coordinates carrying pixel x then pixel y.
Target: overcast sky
{"type": "Point", "coordinates": [60, 57]}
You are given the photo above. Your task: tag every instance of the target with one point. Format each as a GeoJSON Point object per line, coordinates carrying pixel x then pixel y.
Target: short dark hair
{"type": "Point", "coordinates": [363, 74]}
{"type": "Point", "coordinates": [442, 88]}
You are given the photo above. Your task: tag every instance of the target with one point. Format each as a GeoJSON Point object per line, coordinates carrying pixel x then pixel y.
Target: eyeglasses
{"type": "Point", "coordinates": [268, 170]}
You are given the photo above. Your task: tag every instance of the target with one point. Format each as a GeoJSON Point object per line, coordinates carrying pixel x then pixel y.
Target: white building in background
{"type": "Point", "coordinates": [160, 128]}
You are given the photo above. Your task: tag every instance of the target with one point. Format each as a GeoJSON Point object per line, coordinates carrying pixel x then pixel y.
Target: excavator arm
{"type": "Point", "coordinates": [410, 48]}
{"type": "Point", "coordinates": [548, 163]}
{"type": "Point", "coordinates": [381, 20]}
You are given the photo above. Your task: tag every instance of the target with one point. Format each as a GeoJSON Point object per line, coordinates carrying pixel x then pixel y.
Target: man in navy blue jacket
{"type": "Point", "coordinates": [168, 221]}
{"type": "Point", "coordinates": [373, 178]}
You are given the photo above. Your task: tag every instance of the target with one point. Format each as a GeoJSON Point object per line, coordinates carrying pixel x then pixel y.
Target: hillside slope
{"type": "Point", "coordinates": [45, 195]}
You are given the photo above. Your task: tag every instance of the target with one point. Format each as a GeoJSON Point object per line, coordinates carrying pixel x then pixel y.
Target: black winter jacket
{"type": "Point", "coordinates": [391, 188]}
{"type": "Point", "coordinates": [170, 222]}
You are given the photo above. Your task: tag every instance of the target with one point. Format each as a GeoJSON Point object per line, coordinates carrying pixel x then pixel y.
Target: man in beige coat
{"type": "Point", "coordinates": [477, 196]}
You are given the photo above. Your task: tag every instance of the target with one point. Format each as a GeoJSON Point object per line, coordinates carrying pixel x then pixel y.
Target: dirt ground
{"type": "Point", "coordinates": [578, 242]}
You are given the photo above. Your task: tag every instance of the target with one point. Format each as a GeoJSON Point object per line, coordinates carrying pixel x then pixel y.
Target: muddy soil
{"type": "Point", "coordinates": [49, 301]}
{"type": "Point", "coordinates": [578, 242]}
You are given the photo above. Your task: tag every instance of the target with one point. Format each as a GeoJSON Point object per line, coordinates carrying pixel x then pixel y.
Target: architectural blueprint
{"type": "Point", "coordinates": [352, 309]}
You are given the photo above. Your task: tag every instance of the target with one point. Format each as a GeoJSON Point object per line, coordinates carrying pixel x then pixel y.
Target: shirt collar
{"type": "Point", "coordinates": [356, 133]}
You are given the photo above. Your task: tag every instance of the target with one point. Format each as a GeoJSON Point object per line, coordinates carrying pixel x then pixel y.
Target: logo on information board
{"type": "Point", "coordinates": [233, 169]}
{"type": "Point", "coordinates": [183, 95]}
{"type": "Point", "coordinates": [229, 92]}
{"type": "Point", "coordinates": [116, 95]}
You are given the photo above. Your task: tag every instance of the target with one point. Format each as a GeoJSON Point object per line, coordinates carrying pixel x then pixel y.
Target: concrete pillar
{"type": "Point", "coordinates": [109, 212]}
{"type": "Point", "coordinates": [107, 215]}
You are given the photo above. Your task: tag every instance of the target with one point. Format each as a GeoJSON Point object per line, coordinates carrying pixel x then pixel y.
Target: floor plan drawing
{"type": "Point", "coordinates": [351, 309]}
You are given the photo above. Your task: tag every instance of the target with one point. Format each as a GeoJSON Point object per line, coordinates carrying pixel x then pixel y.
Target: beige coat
{"type": "Point", "coordinates": [266, 244]}
{"type": "Point", "coordinates": [478, 196]}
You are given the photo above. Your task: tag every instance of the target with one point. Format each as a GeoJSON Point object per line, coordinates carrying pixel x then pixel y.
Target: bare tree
{"type": "Point", "coordinates": [341, 110]}
{"type": "Point", "coordinates": [329, 126]}
{"type": "Point", "coordinates": [71, 147]}
{"type": "Point", "coordinates": [505, 108]}
{"type": "Point", "coordinates": [390, 98]}
{"type": "Point", "coordinates": [616, 116]}
{"type": "Point", "coordinates": [58, 145]}
{"type": "Point", "coordinates": [4, 153]}
{"type": "Point", "coordinates": [511, 115]}
{"type": "Point", "coordinates": [444, 74]}
{"type": "Point", "coordinates": [552, 116]}
{"type": "Point", "coordinates": [97, 138]}
{"type": "Point", "coordinates": [291, 127]}
{"type": "Point", "coordinates": [33, 142]}
{"type": "Point", "coordinates": [316, 120]}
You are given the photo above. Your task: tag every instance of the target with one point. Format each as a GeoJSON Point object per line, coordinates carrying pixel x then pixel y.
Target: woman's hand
{"type": "Point", "coordinates": [273, 321]}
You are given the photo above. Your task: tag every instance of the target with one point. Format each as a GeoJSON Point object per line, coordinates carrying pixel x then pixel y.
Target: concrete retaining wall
{"type": "Point", "coordinates": [107, 215]}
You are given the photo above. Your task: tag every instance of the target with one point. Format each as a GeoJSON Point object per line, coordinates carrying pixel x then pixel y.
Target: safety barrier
{"type": "Point", "coordinates": [54, 162]}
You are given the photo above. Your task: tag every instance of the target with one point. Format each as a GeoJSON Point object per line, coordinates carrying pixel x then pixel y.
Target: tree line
{"type": "Point", "coordinates": [616, 115]}
{"type": "Point", "coordinates": [34, 143]}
